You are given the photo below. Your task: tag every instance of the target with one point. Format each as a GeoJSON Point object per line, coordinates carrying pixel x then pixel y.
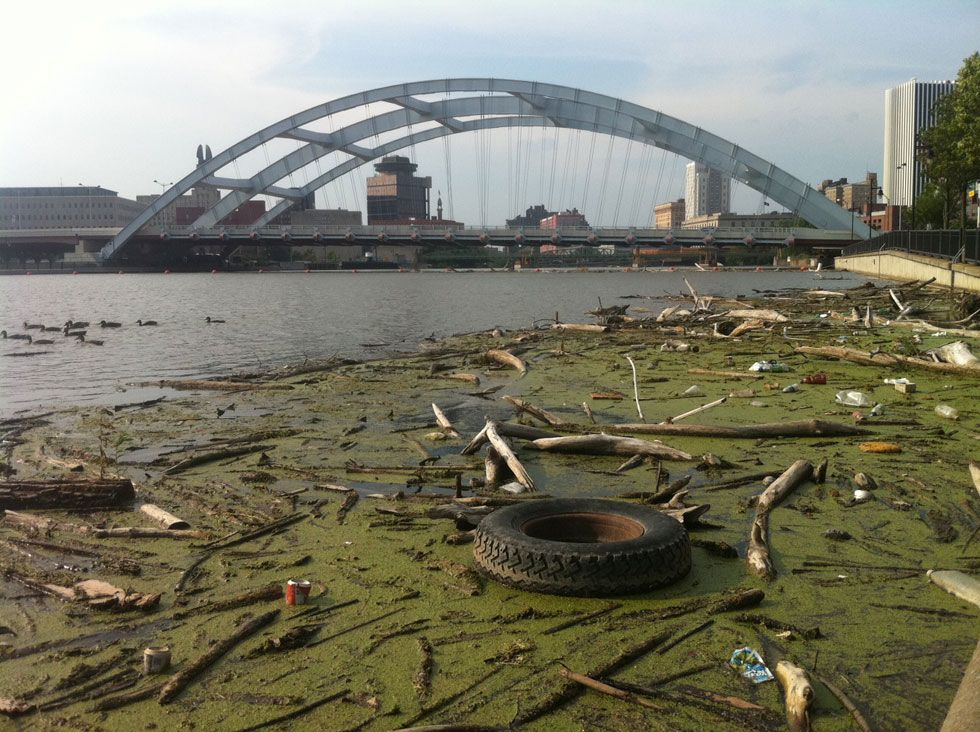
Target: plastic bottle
{"type": "Point", "coordinates": [947, 412]}
{"type": "Point", "coordinates": [853, 399]}
{"type": "Point", "coordinates": [791, 389]}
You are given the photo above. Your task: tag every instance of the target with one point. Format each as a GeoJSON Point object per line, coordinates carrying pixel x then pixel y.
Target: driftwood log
{"type": "Point", "coordinates": [213, 455]}
{"type": "Point", "coordinates": [800, 428]}
{"type": "Point", "coordinates": [507, 359]}
{"type": "Point", "coordinates": [167, 519]}
{"type": "Point", "coordinates": [66, 494]}
{"type": "Point", "coordinates": [179, 681]}
{"type": "Point", "coordinates": [505, 429]}
{"type": "Point", "coordinates": [525, 406]}
{"type": "Point", "coordinates": [139, 532]}
{"type": "Point", "coordinates": [757, 555]}
{"type": "Point", "coordinates": [798, 694]}
{"type": "Point", "coordinates": [505, 452]}
{"type": "Point", "coordinates": [962, 585]}
{"type": "Point", "coordinates": [887, 359]}
{"type": "Point", "coordinates": [965, 710]}
{"type": "Point", "coordinates": [766, 315]}
{"type": "Point", "coordinates": [588, 327]}
{"type": "Point", "coordinates": [443, 421]}
{"type": "Point", "coordinates": [602, 444]}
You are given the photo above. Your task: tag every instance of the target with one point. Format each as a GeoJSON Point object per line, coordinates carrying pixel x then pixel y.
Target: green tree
{"type": "Point", "coordinates": [953, 143]}
{"type": "Point", "coordinates": [935, 205]}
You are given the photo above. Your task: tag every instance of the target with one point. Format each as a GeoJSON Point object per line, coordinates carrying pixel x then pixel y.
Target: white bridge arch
{"type": "Point", "coordinates": [515, 104]}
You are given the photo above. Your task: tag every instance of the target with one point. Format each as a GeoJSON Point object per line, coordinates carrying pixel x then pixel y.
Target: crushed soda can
{"type": "Point", "coordinates": [749, 663]}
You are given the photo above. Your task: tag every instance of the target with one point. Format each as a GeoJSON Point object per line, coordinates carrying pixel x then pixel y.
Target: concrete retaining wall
{"type": "Point", "coordinates": [908, 267]}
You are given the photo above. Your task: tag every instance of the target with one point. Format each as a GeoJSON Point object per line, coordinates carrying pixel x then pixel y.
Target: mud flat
{"type": "Point", "coordinates": [332, 472]}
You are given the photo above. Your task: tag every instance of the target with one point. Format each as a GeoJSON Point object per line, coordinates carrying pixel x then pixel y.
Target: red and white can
{"type": "Point", "coordinates": [297, 592]}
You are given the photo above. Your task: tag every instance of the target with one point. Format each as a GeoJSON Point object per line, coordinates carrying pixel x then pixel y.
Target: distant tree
{"type": "Point", "coordinates": [951, 147]}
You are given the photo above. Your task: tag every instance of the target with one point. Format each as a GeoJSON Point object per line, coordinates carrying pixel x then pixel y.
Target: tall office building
{"type": "Point", "coordinates": [396, 193]}
{"type": "Point", "coordinates": [908, 111]}
{"type": "Point", "coordinates": [708, 191]}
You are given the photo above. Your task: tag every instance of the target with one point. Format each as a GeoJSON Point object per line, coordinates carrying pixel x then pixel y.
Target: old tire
{"type": "Point", "coordinates": [582, 546]}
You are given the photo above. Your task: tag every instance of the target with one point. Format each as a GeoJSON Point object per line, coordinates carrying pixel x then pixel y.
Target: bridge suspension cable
{"type": "Point", "coordinates": [622, 179]}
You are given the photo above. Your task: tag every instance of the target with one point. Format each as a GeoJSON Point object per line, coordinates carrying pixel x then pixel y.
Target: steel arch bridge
{"type": "Point", "coordinates": [511, 103]}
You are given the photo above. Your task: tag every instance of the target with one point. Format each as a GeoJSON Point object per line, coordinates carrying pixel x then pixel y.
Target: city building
{"type": "Point", "coordinates": [246, 214]}
{"type": "Point", "coordinates": [669, 215]}
{"type": "Point", "coordinates": [741, 221]}
{"type": "Point", "coordinates": [852, 196]}
{"type": "Point", "coordinates": [569, 218]}
{"type": "Point", "coordinates": [707, 191]}
{"type": "Point", "coordinates": [200, 199]}
{"type": "Point", "coordinates": [64, 207]}
{"type": "Point", "coordinates": [395, 193]}
{"type": "Point", "coordinates": [531, 218]}
{"type": "Point", "coordinates": [909, 109]}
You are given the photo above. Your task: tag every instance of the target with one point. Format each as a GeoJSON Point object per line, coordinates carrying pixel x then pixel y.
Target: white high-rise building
{"type": "Point", "coordinates": [908, 111]}
{"type": "Point", "coordinates": [707, 192]}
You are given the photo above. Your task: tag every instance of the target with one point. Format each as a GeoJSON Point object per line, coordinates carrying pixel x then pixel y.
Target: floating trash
{"type": "Point", "coordinates": [749, 663]}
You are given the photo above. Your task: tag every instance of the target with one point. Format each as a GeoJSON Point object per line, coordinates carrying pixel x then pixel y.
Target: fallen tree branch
{"type": "Point", "coordinates": [801, 428]}
{"type": "Point", "coordinates": [603, 444]}
{"type": "Point", "coordinates": [180, 680]}
{"type": "Point", "coordinates": [608, 690]}
{"type": "Point", "coordinates": [887, 359]}
{"type": "Point", "coordinates": [523, 405]}
{"type": "Point", "coordinates": [209, 457]}
{"type": "Point", "coordinates": [503, 449]}
{"type": "Point", "coordinates": [443, 421]}
{"type": "Point", "coordinates": [757, 555]}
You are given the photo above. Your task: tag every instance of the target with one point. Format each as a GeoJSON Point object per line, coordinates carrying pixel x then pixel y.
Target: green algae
{"type": "Point", "coordinates": [901, 667]}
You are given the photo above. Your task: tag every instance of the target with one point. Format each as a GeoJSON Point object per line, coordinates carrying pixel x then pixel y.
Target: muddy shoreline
{"type": "Point", "coordinates": [339, 463]}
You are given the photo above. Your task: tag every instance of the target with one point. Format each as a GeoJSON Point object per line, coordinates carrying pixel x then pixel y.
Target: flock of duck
{"type": "Point", "coordinates": [77, 329]}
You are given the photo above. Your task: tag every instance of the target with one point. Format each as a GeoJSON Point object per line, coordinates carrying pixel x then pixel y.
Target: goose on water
{"type": "Point", "coordinates": [32, 326]}
{"type": "Point", "coordinates": [72, 324]}
{"type": "Point", "coordinates": [41, 341]}
{"type": "Point", "coordinates": [109, 324]}
{"type": "Point", "coordinates": [81, 339]}
{"type": "Point", "coordinates": [50, 328]}
{"type": "Point", "coordinates": [209, 319]}
{"type": "Point", "coordinates": [146, 322]}
{"type": "Point", "coordinates": [14, 336]}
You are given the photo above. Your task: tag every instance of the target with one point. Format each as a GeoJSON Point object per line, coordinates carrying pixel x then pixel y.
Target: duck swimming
{"type": "Point", "coordinates": [41, 341]}
{"type": "Point", "coordinates": [81, 339]}
{"type": "Point", "coordinates": [75, 333]}
{"type": "Point", "coordinates": [146, 322]}
{"type": "Point", "coordinates": [15, 336]}
{"type": "Point", "coordinates": [209, 319]}
{"type": "Point", "coordinates": [72, 324]}
{"type": "Point", "coordinates": [109, 324]}
{"type": "Point", "coordinates": [32, 326]}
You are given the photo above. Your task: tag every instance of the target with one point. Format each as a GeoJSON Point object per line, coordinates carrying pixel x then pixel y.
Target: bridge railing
{"type": "Point", "coordinates": [944, 243]}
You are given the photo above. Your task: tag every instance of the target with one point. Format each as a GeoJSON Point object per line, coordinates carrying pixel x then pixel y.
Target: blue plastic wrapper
{"type": "Point", "coordinates": [749, 663]}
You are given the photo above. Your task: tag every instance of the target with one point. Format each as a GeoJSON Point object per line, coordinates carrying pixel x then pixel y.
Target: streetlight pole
{"type": "Point", "coordinates": [163, 186]}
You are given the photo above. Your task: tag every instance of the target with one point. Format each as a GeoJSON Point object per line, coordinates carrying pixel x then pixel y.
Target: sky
{"type": "Point", "coordinates": [119, 94]}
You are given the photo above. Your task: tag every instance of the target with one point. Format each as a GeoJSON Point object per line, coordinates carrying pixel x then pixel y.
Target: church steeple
{"type": "Point", "coordinates": [439, 206]}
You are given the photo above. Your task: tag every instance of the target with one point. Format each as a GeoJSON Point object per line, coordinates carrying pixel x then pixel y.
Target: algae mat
{"type": "Point", "coordinates": [400, 629]}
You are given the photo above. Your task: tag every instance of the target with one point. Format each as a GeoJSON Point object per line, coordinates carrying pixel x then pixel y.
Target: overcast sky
{"type": "Point", "coordinates": [121, 93]}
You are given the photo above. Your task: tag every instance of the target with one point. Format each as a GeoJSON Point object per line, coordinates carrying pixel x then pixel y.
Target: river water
{"type": "Point", "coordinates": [277, 318]}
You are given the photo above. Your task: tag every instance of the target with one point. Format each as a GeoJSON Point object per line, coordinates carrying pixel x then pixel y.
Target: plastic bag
{"type": "Point", "coordinates": [852, 399]}
{"type": "Point", "coordinates": [749, 663]}
{"type": "Point", "coordinates": [773, 366]}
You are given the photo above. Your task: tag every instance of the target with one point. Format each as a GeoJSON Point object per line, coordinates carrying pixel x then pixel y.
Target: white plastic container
{"type": "Point", "coordinates": [852, 399]}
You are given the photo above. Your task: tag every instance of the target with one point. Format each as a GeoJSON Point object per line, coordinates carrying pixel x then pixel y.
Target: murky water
{"type": "Point", "coordinates": [276, 318]}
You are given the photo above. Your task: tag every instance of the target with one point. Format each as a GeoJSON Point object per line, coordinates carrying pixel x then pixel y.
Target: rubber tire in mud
{"type": "Point", "coordinates": [504, 550]}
